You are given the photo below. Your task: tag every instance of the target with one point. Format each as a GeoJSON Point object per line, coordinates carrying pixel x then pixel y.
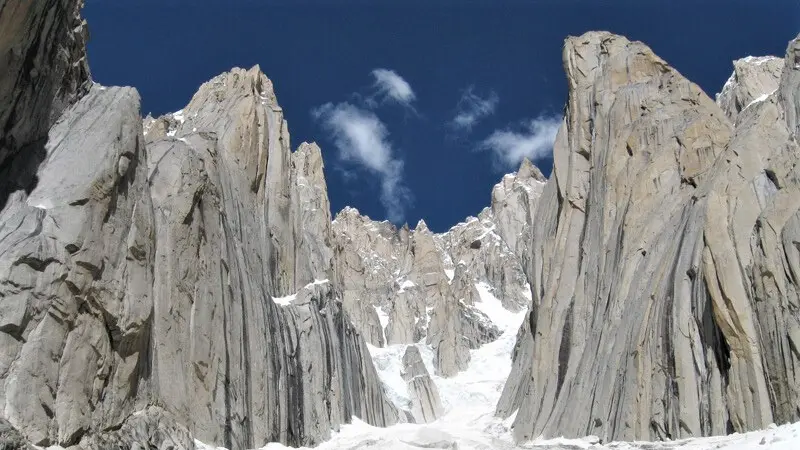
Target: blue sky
{"type": "Point", "coordinates": [419, 106]}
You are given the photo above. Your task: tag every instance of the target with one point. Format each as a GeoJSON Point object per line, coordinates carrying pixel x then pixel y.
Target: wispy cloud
{"type": "Point", "coordinates": [533, 141]}
{"type": "Point", "coordinates": [361, 138]}
{"type": "Point", "coordinates": [390, 86]}
{"type": "Point", "coordinates": [472, 108]}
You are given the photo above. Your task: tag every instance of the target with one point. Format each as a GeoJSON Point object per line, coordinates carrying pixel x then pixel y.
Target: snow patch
{"type": "Point", "coordinates": [493, 308]}
{"type": "Point", "coordinates": [759, 99]}
{"type": "Point", "coordinates": [389, 364]}
{"type": "Point", "coordinates": [450, 274]}
{"type": "Point", "coordinates": [727, 86]}
{"type": "Point", "coordinates": [287, 300]}
{"type": "Point", "coordinates": [408, 284]}
{"type": "Point", "coordinates": [284, 301]}
{"type": "Point", "coordinates": [178, 115]}
{"type": "Point", "coordinates": [383, 318]}
{"type": "Point", "coordinates": [316, 283]}
{"type": "Point", "coordinates": [758, 60]}
{"type": "Point", "coordinates": [43, 204]}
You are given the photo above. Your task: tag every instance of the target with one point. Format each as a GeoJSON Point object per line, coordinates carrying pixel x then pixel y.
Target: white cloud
{"type": "Point", "coordinates": [363, 139]}
{"type": "Point", "coordinates": [392, 86]}
{"type": "Point", "coordinates": [534, 142]}
{"type": "Point", "coordinates": [472, 108]}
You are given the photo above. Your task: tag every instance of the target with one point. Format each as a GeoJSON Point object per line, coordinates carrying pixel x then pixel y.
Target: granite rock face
{"type": "Point", "coordinates": [76, 261]}
{"type": "Point", "coordinates": [404, 286]}
{"type": "Point", "coordinates": [426, 404]}
{"type": "Point", "coordinates": [142, 263]}
{"type": "Point", "coordinates": [664, 257]}
{"type": "Point", "coordinates": [242, 219]}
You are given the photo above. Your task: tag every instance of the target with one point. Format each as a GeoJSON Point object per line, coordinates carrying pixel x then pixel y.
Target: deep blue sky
{"type": "Point", "coordinates": [324, 51]}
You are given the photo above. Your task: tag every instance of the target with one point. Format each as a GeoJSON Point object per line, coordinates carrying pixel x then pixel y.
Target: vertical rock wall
{"type": "Point", "coordinates": [664, 295]}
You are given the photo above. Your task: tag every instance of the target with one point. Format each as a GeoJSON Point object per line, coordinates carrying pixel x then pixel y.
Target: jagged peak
{"type": "Point", "coordinates": [753, 78]}
{"type": "Point", "coordinates": [235, 83]}
{"type": "Point", "coordinates": [309, 147]}
{"type": "Point", "coordinates": [348, 211]}
{"type": "Point", "coordinates": [583, 56]}
{"type": "Point", "coordinates": [794, 46]}
{"type": "Point", "coordinates": [311, 153]}
{"type": "Point", "coordinates": [528, 170]}
{"type": "Point", "coordinates": [251, 80]}
{"type": "Point", "coordinates": [351, 216]}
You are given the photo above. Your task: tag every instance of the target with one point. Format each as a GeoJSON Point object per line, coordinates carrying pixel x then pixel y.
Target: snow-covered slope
{"type": "Point", "coordinates": [360, 436]}
{"type": "Point", "coordinates": [469, 399]}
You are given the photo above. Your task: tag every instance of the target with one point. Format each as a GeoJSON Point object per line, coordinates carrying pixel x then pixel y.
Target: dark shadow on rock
{"type": "Point", "coordinates": [19, 172]}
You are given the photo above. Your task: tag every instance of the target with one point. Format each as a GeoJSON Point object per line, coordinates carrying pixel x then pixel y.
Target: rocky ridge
{"type": "Point", "coordinates": [403, 286]}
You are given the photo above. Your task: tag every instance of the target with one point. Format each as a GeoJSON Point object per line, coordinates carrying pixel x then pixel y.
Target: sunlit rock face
{"type": "Point", "coordinates": [665, 254]}
{"type": "Point", "coordinates": [139, 261]}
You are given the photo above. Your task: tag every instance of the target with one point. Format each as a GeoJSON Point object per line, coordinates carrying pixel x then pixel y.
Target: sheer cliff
{"type": "Point", "coordinates": [664, 257]}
